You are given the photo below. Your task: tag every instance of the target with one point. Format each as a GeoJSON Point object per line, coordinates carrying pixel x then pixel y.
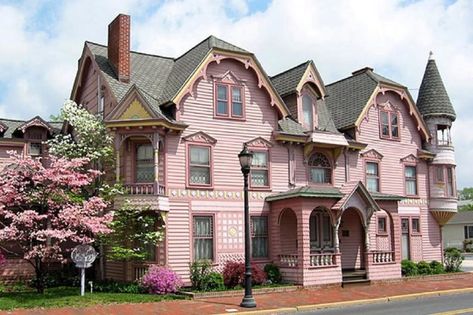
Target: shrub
{"type": "Point", "coordinates": [3, 260]}
{"type": "Point", "coordinates": [160, 280]}
{"type": "Point", "coordinates": [467, 245]}
{"type": "Point", "coordinates": [214, 282]}
{"type": "Point", "coordinates": [234, 274]}
{"type": "Point", "coordinates": [423, 268]}
{"type": "Point", "coordinates": [408, 268]}
{"type": "Point", "coordinates": [436, 267]}
{"type": "Point", "coordinates": [112, 286]}
{"type": "Point", "coordinates": [273, 273]}
{"type": "Point", "coordinates": [453, 259]}
{"type": "Point", "coordinates": [199, 271]}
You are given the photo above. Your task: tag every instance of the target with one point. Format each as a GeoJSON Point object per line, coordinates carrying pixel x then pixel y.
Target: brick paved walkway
{"type": "Point", "coordinates": [268, 301]}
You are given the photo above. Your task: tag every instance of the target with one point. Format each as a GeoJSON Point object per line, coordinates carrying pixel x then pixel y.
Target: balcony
{"type": "Point", "coordinates": [145, 189]}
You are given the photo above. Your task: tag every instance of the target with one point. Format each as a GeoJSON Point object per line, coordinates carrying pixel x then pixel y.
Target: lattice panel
{"type": "Point", "coordinates": [383, 243]}
{"type": "Point", "coordinates": [224, 257]}
{"type": "Point", "coordinates": [416, 248]}
{"type": "Point", "coordinates": [230, 232]}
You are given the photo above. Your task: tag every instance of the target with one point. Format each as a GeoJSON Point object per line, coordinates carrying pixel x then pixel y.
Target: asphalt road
{"type": "Point", "coordinates": [460, 303]}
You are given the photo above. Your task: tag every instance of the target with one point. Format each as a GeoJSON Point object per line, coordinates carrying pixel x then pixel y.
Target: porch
{"type": "Point", "coordinates": [321, 238]}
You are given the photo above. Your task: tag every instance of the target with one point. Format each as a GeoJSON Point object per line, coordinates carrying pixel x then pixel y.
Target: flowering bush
{"type": "Point", "coordinates": [160, 280]}
{"type": "Point", "coordinates": [234, 274]}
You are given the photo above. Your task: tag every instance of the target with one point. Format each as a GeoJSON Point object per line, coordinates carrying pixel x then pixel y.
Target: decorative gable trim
{"type": "Point", "coordinates": [259, 143]}
{"type": "Point", "coordinates": [3, 127]}
{"type": "Point", "coordinates": [388, 106]}
{"type": "Point", "coordinates": [135, 111]}
{"type": "Point", "coordinates": [311, 75]}
{"type": "Point", "coordinates": [36, 121]}
{"type": "Point", "coordinates": [200, 137]}
{"type": "Point", "coordinates": [229, 77]}
{"type": "Point", "coordinates": [372, 154]}
{"type": "Point", "coordinates": [248, 61]}
{"type": "Point", "coordinates": [411, 158]}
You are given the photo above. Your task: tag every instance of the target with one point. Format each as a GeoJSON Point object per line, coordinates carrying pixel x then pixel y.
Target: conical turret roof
{"type": "Point", "coordinates": [433, 99]}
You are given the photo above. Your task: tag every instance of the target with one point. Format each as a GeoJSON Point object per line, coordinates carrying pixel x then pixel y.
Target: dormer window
{"type": "Point", "coordinates": [320, 169]}
{"type": "Point", "coordinates": [36, 149]}
{"type": "Point", "coordinates": [307, 112]}
{"type": "Point", "coordinates": [389, 124]}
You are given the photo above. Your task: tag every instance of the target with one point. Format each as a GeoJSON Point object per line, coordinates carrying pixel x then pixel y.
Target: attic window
{"type": "Point", "coordinates": [389, 124]}
{"type": "Point", "coordinates": [229, 101]}
{"type": "Point", "coordinates": [443, 135]}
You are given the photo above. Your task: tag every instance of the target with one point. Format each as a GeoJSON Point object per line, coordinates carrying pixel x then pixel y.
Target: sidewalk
{"type": "Point", "coordinates": [274, 301]}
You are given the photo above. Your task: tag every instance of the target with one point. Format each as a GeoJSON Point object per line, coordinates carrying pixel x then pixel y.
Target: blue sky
{"type": "Point", "coordinates": [44, 39]}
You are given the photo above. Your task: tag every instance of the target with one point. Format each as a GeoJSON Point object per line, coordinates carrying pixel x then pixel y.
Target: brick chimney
{"type": "Point", "coordinates": [119, 47]}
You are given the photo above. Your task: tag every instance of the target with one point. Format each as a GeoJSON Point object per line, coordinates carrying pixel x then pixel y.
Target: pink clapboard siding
{"type": "Point", "coordinates": [198, 112]}
{"type": "Point", "coordinates": [431, 237]}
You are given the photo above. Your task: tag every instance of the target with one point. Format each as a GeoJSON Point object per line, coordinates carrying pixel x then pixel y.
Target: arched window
{"type": "Point", "coordinates": [320, 169]}
{"type": "Point", "coordinates": [307, 112]}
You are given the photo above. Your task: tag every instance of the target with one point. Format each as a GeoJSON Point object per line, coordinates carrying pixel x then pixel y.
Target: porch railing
{"type": "Point", "coordinates": [323, 260]}
{"type": "Point", "coordinates": [144, 189]}
{"type": "Point", "coordinates": [140, 271]}
{"type": "Point", "coordinates": [288, 260]}
{"type": "Point", "coordinates": [382, 257]}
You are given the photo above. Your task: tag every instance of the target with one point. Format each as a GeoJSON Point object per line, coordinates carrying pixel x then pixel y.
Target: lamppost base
{"type": "Point", "coordinates": [248, 302]}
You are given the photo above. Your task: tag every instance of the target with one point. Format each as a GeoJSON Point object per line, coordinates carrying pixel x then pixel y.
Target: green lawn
{"type": "Point", "coordinates": [68, 296]}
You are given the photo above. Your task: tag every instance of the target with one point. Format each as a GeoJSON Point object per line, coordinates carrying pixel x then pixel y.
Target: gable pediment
{"type": "Point", "coordinates": [311, 75]}
{"type": "Point", "coordinates": [229, 77]}
{"type": "Point", "coordinates": [259, 143]}
{"type": "Point", "coordinates": [135, 110]}
{"type": "Point", "coordinates": [200, 137]}
{"type": "Point", "coordinates": [388, 106]}
{"type": "Point", "coordinates": [410, 159]}
{"type": "Point", "coordinates": [36, 122]}
{"type": "Point", "coordinates": [372, 154]}
{"type": "Point", "coordinates": [133, 107]}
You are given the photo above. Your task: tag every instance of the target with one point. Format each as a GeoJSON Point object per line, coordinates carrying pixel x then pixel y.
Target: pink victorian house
{"type": "Point", "coordinates": [347, 180]}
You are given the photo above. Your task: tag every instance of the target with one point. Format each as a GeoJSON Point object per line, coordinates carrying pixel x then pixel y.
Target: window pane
{"type": "Point", "coordinates": [260, 159]}
{"type": "Point", "coordinates": [259, 178]}
{"type": "Point", "coordinates": [395, 131]}
{"type": "Point", "coordinates": [237, 109]}
{"type": "Point", "coordinates": [222, 92]}
{"type": "Point", "coordinates": [307, 112]}
{"type": "Point", "coordinates": [200, 156]}
{"type": "Point", "coordinates": [372, 184]}
{"type": "Point", "coordinates": [372, 168]}
{"type": "Point", "coordinates": [394, 119]}
{"type": "Point", "coordinates": [236, 95]}
{"type": "Point", "coordinates": [381, 225]}
{"type": "Point", "coordinates": [144, 173]}
{"type": "Point", "coordinates": [199, 175]}
{"type": "Point", "coordinates": [327, 229]}
{"type": "Point", "coordinates": [405, 225]}
{"type": "Point", "coordinates": [320, 175]}
{"type": "Point", "coordinates": [439, 171]}
{"type": "Point", "coordinates": [203, 249]}
{"type": "Point", "coordinates": [410, 171]}
{"type": "Point", "coordinates": [314, 230]}
{"type": "Point", "coordinates": [470, 231]}
{"type": "Point", "coordinates": [415, 225]}
{"type": "Point", "coordinates": [411, 187]}
{"type": "Point", "coordinates": [144, 152]}
{"type": "Point", "coordinates": [222, 108]}
{"type": "Point", "coordinates": [259, 240]}
{"type": "Point", "coordinates": [384, 118]}
{"type": "Point", "coordinates": [203, 238]}
{"type": "Point", "coordinates": [35, 149]}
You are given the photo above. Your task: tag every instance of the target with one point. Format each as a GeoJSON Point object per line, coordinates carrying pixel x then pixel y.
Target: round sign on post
{"type": "Point", "coordinates": [83, 256]}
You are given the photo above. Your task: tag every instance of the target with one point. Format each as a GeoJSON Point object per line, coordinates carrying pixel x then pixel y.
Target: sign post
{"type": "Point", "coordinates": [83, 256]}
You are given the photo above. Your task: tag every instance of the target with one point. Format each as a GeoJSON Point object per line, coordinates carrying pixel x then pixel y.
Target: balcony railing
{"type": "Point", "coordinates": [382, 257]}
{"type": "Point", "coordinates": [323, 260]}
{"type": "Point", "coordinates": [145, 189]}
{"type": "Point", "coordinates": [289, 260]}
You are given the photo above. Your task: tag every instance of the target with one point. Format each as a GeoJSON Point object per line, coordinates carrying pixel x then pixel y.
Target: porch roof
{"type": "Point", "coordinates": [380, 196]}
{"type": "Point", "coordinates": [307, 192]}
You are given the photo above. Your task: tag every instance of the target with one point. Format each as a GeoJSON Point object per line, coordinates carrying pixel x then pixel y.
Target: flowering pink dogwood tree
{"type": "Point", "coordinates": [44, 212]}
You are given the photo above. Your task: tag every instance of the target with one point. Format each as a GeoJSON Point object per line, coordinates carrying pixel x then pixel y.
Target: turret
{"type": "Point", "coordinates": [437, 110]}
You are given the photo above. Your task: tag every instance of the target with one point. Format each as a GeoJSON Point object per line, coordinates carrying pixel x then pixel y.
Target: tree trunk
{"type": "Point", "coordinates": [39, 284]}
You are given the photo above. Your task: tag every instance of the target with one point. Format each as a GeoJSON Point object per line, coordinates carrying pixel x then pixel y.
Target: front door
{"type": "Point", "coordinates": [405, 239]}
{"type": "Point", "coordinates": [351, 236]}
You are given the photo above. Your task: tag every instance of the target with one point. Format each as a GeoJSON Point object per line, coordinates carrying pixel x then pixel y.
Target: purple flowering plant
{"type": "Point", "coordinates": [161, 280]}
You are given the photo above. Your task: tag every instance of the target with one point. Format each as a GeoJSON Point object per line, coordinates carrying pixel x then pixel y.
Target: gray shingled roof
{"type": "Point", "coordinates": [462, 217]}
{"type": "Point", "coordinates": [13, 125]}
{"type": "Point", "coordinates": [291, 127]}
{"type": "Point", "coordinates": [347, 97]}
{"type": "Point", "coordinates": [433, 98]}
{"type": "Point", "coordinates": [160, 78]}
{"type": "Point", "coordinates": [286, 82]}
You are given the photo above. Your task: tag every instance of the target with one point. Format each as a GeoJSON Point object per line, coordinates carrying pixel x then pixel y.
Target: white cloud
{"type": "Point", "coordinates": [37, 66]}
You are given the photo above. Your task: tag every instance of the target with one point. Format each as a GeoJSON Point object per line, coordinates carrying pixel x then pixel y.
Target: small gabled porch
{"type": "Point", "coordinates": [326, 235]}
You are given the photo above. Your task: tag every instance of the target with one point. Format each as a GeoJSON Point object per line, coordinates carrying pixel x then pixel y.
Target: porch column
{"type": "Point", "coordinates": [336, 239]}
{"type": "Point", "coordinates": [156, 139]}
{"type": "Point", "coordinates": [117, 170]}
{"type": "Point", "coordinates": [367, 237]}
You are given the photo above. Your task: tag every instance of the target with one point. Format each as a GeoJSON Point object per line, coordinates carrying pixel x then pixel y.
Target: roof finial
{"type": "Point", "coordinates": [431, 55]}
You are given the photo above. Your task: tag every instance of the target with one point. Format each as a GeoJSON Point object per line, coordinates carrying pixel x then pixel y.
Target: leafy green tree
{"type": "Point", "coordinates": [466, 193]}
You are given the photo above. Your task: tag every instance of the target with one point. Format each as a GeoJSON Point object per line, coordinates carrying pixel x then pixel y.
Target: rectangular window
{"type": "Point", "coordinates": [410, 178]}
{"type": "Point", "coordinates": [144, 163]}
{"type": "Point", "coordinates": [229, 101]}
{"type": "Point", "coordinates": [36, 149]}
{"type": "Point", "coordinates": [327, 229]}
{"type": "Point", "coordinates": [222, 100]}
{"type": "Point", "coordinates": [439, 174]}
{"type": "Point", "coordinates": [372, 176]}
{"type": "Point", "coordinates": [203, 237]}
{"type": "Point", "coordinates": [199, 165]}
{"type": "Point", "coordinates": [314, 231]}
{"type": "Point", "coordinates": [415, 225]}
{"type": "Point", "coordinates": [259, 237]}
{"type": "Point", "coordinates": [450, 187]}
{"type": "Point", "coordinates": [389, 125]}
{"type": "Point", "coordinates": [468, 231]}
{"type": "Point", "coordinates": [260, 169]}
{"type": "Point", "coordinates": [382, 225]}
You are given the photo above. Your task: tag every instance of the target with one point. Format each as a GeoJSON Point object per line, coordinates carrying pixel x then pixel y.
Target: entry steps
{"type": "Point", "coordinates": [354, 278]}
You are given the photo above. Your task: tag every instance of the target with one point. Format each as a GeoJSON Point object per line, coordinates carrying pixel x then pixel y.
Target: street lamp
{"type": "Point", "coordinates": [246, 157]}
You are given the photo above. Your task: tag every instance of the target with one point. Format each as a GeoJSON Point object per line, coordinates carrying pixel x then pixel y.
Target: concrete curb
{"type": "Point", "coordinates": [310, 307]}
